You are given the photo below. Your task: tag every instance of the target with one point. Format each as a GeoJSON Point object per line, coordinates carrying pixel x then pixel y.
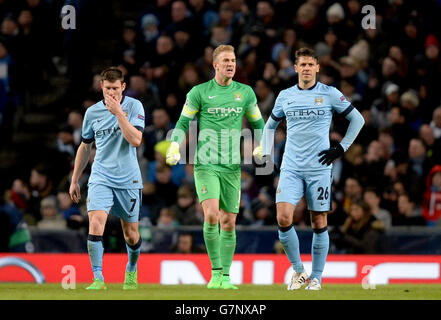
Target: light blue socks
{"type": "Point", "coordinates": [319, 250]}
{"type": "Point", "coordinates": [96, 250]}
{"type": "Point", "coordinates": [290, 241]}
{"type": "Point", "coordinates": [133, 253]}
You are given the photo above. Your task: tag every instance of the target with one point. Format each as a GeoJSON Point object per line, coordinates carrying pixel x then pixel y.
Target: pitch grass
{"type": "Point", "coordinates": [52, 291]}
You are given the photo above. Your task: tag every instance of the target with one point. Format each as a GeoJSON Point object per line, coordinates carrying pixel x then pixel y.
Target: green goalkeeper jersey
{"type": "Point", "coordinates": [219, 111]}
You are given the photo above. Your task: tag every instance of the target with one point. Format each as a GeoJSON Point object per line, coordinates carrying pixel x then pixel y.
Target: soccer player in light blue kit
{"type": "Point", "coordinates": [115, 124]}
{"type": "Point", "coordinates": [306, 166]}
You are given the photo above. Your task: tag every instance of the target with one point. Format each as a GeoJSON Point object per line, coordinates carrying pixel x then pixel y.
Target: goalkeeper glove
{"type": "Point", "coordinates": [258, 152]}
{"type": "Point", "coordinates": [329, 155]}
{"type": "Point", "coordinates": [172, 156]}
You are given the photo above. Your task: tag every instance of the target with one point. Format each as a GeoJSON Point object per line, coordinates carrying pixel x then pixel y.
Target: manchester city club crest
{"type": "Point", "coordinates": [238, 96]}
{"type": "Point", "coordinates": [318, 101]}
{"type": "Point", "coordinates": [204, 189]}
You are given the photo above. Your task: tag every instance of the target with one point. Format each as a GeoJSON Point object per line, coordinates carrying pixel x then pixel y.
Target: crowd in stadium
{"type": "Point", "coordinates": [389, 73]}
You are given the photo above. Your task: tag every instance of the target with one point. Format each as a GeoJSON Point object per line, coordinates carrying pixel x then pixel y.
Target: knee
{"type": "Point", "coordinates": [211, 215]}
{"type": "Point", "coordinates": [131, 237]}
{"type": "Point", "coordinates": [228, 222]}
{"type": "Point", "coordinates": [96, 226]}
{"type": "Point", "coordinates": [284, 220]}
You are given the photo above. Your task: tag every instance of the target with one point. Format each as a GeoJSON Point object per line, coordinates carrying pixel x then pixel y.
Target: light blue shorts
{"type": "Point", "coordinates": [314, 185]}
{"type": "Point", "coordinates": [124, 203]}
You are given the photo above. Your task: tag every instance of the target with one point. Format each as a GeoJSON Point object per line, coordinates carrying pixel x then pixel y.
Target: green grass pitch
{"type": "Point", "coordinates": [54, 291]}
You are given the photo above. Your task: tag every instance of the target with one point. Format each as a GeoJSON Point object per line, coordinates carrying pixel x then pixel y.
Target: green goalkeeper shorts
{"type": "Point", "coordinates": [225, 186]}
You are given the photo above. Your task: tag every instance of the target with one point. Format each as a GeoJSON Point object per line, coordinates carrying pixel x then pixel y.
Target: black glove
{"type": "Point", "coordinates": [328, 156]}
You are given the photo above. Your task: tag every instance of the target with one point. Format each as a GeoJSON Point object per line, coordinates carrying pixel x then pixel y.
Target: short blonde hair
{"type": "Point", "coordinates": [220, 49]}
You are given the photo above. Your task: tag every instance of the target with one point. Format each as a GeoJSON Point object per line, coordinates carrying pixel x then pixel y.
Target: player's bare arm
{"type": "Point", "coordinates": [81, 160]}
{"type": "Point", "coordinates": [130, 133]}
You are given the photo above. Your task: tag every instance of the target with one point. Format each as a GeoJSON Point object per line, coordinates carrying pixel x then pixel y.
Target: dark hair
{"type": "Point", "coordinates": [112, 74]}
{"type": "Point", "coordinates": [363, 205]}
{"type": "Point", "coordinates": [305, 52]}
{"type": "Point", "coordinates": [374, 190]}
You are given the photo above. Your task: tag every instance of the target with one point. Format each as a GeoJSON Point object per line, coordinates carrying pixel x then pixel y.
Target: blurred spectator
{"type": "Point", "coordinates": [368, 133]}
{"type": "Point", "coordinates": [373, 162]}
{"type": "Point", "coordinates": [410, 102]}
{"type": "Point", "coordinates": [419, 163]}
{"type": "Point", "coordinates": [336, 216]}
{"type": "Point", "coordinates": [139, 88]}
{"type": "Point", "coordinates": [51, 219]}
{"type": "Point", "coordinates": [278, 247]}
{"type": "Point", "coordinates": [156, 132]}
{"type": "Point", "coordinates": [381, 107]}
{"type": "Point", "coordinates": [75, 119]}
{"type": "Point", "coordinates": [162, 68]}
{"type": "Point", "coordinates": [185, 244]}
{"type": "Point", "coordinates": [160, 191]}
{"type": "Point", "coordinates": [167, 219]}
{"type": "Point", "coordinates": [5, 66]}
{"type": "Point", "coordinates": [373, 198]}
{"type": "Point", "coordinates": [347, 87]}
{"type": "Point", "coordinates": [305, 21]}
{"type": "Point", "coordinates": [286, 47]}
{"type": "Point", "coordinates": [352, 192]}
{"type": "Point", "coordinates": [270, 74]}
{"type": "Point", "coordinates": [204, 13]}
{"type": "Point", "coordinates": [16, 229]}
{"type": "Point", "coordinates": [265, 97]}
{"type": "Point", "coordinates": [432, 196]}
{"type": "Point", "coordinates": [386, 140]}
{"type": "Point", "coordinates": [182, 18]}
{"type": "Point", "coordinates": [226, 16]}
{"type": "Point", "coordinates": [401, 130]}
{"type": "Point", "coordinates": [433, 146]}
{"type": "Point", "coordinates": [70, 211]}
{"type": "Point", "coordinates": [185, 208]}
{"type": "Point", "coordinates": [188, 78]}
{"type": "Point", "coordinates": [360, 233]}
{"type": "Point", "coordinates": [261, 214]}
{"type": "Point", "coordinates": [177, 170]}
{"type": "Point", "coordinates": [435, 123]}
{"type": "Point", "coordinates": [94, 93]}
{"type": "Point", "coordinates": [41, 186]}
{"type": "Point", "coordinates": [219, 34]}
{"type": "Point", "coordinates": [127, 50]}
{"type": "Point", "coordinates": [205, 64]}
{"type": "Point", "coordinates": [265, 18]}
{"type": "Point", "coordinates": [409, 213]}
{"type": "Point", "coordinates": [65, 141]}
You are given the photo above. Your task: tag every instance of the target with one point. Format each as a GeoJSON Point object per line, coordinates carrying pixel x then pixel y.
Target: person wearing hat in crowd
{"type": "Point", "coordinates": [382, 106]}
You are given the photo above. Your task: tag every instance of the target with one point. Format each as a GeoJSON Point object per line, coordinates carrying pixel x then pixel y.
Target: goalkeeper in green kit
{"type": "Point", "coordinates": [219, 105]}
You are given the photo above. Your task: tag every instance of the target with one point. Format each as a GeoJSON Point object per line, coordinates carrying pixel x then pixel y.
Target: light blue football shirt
{"type": "Point", "coordinates": [115, 164]}
{"type": "Point", "coordinates": [308, 116]}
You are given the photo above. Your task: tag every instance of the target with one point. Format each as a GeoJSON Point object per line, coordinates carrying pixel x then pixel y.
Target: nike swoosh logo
{"type": "Point", "coordinates": [291, 102]}
{"type": "Point", "coordinates": [99, 120]}
{"type": "Point", "coordinates": [211, 97]}
{"type": "Point", "coordinates": [321, 203]}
